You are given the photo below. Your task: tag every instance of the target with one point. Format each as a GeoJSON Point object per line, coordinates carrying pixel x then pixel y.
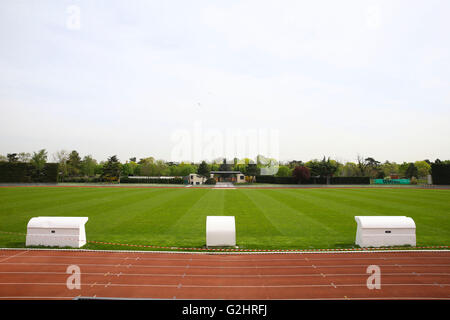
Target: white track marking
{"type": "Point", "coordinates": [13, 256]}
{"type": "Point", "coordinates": [109, 284]}
{"type": "Point", "coordinates": [183, 275]}
{"type": "Point", "coordinates": [222, 267]}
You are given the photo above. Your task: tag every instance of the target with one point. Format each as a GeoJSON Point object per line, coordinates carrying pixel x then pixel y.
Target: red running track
{"type": "Point", "coordinates": [41, 274]}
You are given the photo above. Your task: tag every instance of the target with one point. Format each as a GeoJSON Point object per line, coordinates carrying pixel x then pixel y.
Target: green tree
{"type": "Point", "coordinates": [252, 171]}
{"type": "Point", "coordinates": [185, 169]}
{"type": "Point", "coordinates": [12, 157]}
{"type": "Point", "coordinates": [402, 169]}
{"type": "Point", "coordinates": [87, 166]}
{"type": "Point", "coordinates": [130, 168]}
{"type": "Point", "coordinates": [225, 166]}
{"type": "Point", "coordinates": [389, 168]}
{"type": "Point", "coordinates": [350, 169]}
{"type": "Point", "coordinates": [61, 158]}
{"type": "Point", "coordinates": [24, 157]}
{"type": "Point", "coordinates": [74, 164]}
{"type": "Point", "coordinates": [203, 169]}
{"type": "Point", "coordinates": [112, 169]}
{"type": "Point", "coordinates": [295, 163]}
{"type": "Point", "coordinates": [39, 159]}
{"type": "Point", "coordinates": [373, 168]}
{"type": "Point", "coordinates": [284, 171]}
{"type": "Point", "coordinates": [324, 168]}
{"type": "Point", "coordinates": [411, 171]}
{"type": "Point", "coordinates": [423, 168]}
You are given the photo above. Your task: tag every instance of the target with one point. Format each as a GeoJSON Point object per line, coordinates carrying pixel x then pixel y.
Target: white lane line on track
{"type": "Point", "coordinates": [226, 286]}
{"type": "Point", "coordinates": [184, 275]}
{"type": "Point", "coordinates": [226, 275]}
{"type": "Point", "coordinates": [224, 267]}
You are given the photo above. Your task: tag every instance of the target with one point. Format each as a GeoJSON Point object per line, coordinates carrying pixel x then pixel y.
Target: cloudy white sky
{"type": "Point", "coordinates": [143, 78]}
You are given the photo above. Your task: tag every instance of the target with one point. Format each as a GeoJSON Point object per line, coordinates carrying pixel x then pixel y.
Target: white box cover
{"type": "Point", "coordinates": [381, 231]}
{"type": "Point", "coordinates": [220, 231]}
{"type": "Point", "coordinates": [56, 231]}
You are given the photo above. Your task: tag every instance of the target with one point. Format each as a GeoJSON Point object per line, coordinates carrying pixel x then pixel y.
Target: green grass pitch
{"type": "Point", "coordinates": [265, 219]}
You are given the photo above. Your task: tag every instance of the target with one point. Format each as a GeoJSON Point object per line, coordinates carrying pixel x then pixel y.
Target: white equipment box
{"type": "Point", "coordinates": [382, 231]}
{"type": "Point", "coordinates": [57, 231]}
{"type": "Point", "coordinates": [220, 231]}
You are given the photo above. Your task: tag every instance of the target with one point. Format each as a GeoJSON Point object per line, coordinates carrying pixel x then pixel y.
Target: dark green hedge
{"type": "Point", "coordinates": [152, 180]}
{"type": "Point", "coordinates": [313, 180]}
{"type": "Point", "coordinates": [440, 173]}
{"type": "Point", "coordinates": [350, 180]}
{"type": "Point", "coordinates": [13, 172]}
{"type": "Point", "coordinates": [82, 179]}
{"type": "Point", "coordinates": [276, 180]}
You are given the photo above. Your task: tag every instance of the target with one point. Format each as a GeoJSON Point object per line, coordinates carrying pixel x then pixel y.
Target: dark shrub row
{"type": "Point", "coordinates": [313, 180]}
{"type": "Point", "coordinates": [350, 180]}
{"type": "Point", "coordinates": [152, 180]}
{"type": "Point", "coordinates": [210, 181]}
{"type": "Point", "coordinates": [82, 179]}
{"type": "Point", "coordinates": [440, 173]}
{"type": "Point", "coordinates": [11, 172]}
{"type": "Point", "coordinates": [276, 180]}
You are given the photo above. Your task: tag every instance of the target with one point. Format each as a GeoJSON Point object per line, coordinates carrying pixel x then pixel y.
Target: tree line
{"type": "Point", "coordinates": [71, 164]}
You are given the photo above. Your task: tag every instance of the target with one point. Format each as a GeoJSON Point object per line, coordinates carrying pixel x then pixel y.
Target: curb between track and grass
{"type": "Point", "coordinates": [326, 251]}
{"type": "Point", "coordinates": [173, 249]}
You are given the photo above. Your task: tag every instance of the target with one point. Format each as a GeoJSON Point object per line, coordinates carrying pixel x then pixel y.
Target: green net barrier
{"type": "Point", "coordinates": [391, 181]}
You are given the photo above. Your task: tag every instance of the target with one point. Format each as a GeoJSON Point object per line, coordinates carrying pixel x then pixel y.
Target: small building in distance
{"type": "Point", "coordinates": [228, 176]}
{"type": "Point", "coordinates": [195, 179]}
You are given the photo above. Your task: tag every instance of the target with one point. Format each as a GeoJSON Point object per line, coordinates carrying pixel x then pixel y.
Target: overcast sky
{"type": "Point", "coordinates": [143, 78]}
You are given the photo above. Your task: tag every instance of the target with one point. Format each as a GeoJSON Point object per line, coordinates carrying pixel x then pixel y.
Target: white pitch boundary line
{"type": "Point", "coordinates": [232, 252]}
{"type": "Point", "coordinates": [233, 260]}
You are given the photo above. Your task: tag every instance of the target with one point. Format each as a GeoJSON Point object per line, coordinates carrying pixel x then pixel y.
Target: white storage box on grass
{"type": "Point", "coordinates": [220, 231]}
{"type": "Point", "coordinates": [57, 231]}
{"type": "Point", "coordinates": [382, 231]}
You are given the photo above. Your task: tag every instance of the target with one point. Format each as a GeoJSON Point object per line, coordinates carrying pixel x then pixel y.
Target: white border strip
{"type": "Point", "coordinates": [228, 252]}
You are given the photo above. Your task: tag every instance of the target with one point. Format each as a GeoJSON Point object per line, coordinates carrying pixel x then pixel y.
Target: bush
{"type": "Point", "coordinates": [152, 180]}
{"type": "Point", "coordinates": [275, 180]}
{"type": "Point", "coordinates": [82, 179]}
{"type": "Point", "coordinates": [350, 180]}
{"type": "Point", "coordinates": [301, 174]}
{"type": "Point", "coordinates": [413, 180]}
{"type": "Point", "coordinates": [210, 181]}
